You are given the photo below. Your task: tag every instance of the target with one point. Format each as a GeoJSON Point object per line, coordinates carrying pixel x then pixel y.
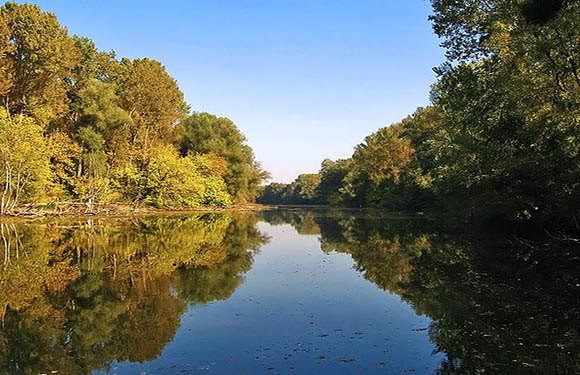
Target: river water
{"type": "Point", "coordinates": [283, 292]}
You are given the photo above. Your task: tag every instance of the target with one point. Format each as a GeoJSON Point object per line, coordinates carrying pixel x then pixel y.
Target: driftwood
{"type": "Point", "coordinates": [76, 208]}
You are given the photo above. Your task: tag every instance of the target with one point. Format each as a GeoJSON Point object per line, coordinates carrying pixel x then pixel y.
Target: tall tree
{"type": "Point", "coordinates": [332, 174]}
{"type": "Point", "coordinates": [5, 68]}
{"type": "Point", "coordinates": [152, 99]}
{"type": "Point", "coordinates": [97, 110]}
{"type": "Point", "coordinates": [24, 160]}
{"type": "Point", "coordinates": [39, 59]}
{"type": "Point", "coordinates": [510, 94]}
{"type": "Point", "coordinates": [206, 133]}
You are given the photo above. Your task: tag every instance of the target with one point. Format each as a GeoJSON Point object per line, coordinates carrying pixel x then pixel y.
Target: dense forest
{"type": "Point", "coordinates": [79, 124]}
{"type": "Point", "coordinates": [501, 138]}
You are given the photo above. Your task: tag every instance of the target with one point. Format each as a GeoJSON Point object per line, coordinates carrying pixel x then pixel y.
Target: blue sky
{"type": "Point", "coordinates": [303, 80]}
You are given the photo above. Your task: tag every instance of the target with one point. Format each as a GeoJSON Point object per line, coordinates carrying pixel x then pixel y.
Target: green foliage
{"type": "Point", "coordinates": [332, 174]}
{"type": "Point", "coordinates": [39, 57]}
{"type": "Point", "coordinates": [272, 193]}
{"type": "Point", "coordinates": [169, 180]}
{"type": "Point", "coordinates": [107, 124]}
{"type": "Point", "coordinates": [204, 133]}
{"type": "Point", "coordinates": [306, 186]}
{"type": "Point", "coordinates": [509, 141]}
{"type": "Point", "coordinates": [94, 64]}
{"type": "Point", "coordinates": [303, 190]}
{"type": "Point", "coordinates": [501, 140]}
{"type": "Point", "coordinates": [97, 106]}
{"type": "Point", "coordinates": [387, 170]}
{"type": "Point", "coordinates": [24, 160]}
{"type": "Point", "coordinates": [64, 162]}
{"type": "Point", "coordinates": [152, 98]}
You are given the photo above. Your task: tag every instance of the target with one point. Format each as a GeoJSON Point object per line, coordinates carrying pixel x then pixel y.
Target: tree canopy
{"type": "Point", "coordinates": [96, 128]}
{"type": "Point", "coordinates": [204, 133]}
{"type": "Point", "coordinates": [501, 138]}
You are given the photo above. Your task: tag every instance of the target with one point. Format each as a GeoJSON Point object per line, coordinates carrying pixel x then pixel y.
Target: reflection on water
{"type": "Point", "coordinates": [139, 295]}
{"type": "Point", "coordinates": [77, 295]}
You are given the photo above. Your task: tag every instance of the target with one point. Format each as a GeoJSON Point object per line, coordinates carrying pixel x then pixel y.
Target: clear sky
{"type": "Point", "coordinates": [304, 80]}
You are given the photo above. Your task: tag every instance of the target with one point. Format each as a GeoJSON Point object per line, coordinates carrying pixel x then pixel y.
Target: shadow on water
{"type": "Point", "coordinates": [76, 295]}
{"type": "Point", "coordinates": [499, 304]}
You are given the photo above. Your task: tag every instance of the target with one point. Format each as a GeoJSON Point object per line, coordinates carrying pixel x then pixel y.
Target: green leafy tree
{"type": "Point", "coordinates": [501, 139]}
{"type": "Point", "coordinates": [303, 190]}
{"type": "Point", "coordinates": [272, 193]}
{"type": "Point", "coordinates": [153, 100]}
{"type": "Point", "coordinates": [102, 131]}
{"type": "Point", "coordinates": [107, 123]}
{"type": "Point", "coordinates": [24, 159]}
{"type": "Point", "coordinates": [332, 174]}
{"type": "Point", "coordinates": [508, 144]}
{"type": "Point", "coordinates": [38, 59]}
{"type": "Point", "coordinates": [306, 187]}
{"type": "Point", "coordinates": [169, 180]}
{"type": "Point", "coordinates": [204, 133]}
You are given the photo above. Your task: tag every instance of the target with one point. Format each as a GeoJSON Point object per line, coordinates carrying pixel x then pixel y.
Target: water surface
{"type": "Point", "coordinates": [287, 291]}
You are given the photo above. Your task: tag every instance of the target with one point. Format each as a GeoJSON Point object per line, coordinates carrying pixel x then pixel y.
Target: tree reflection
{"type": "Point", "coordinates": [304, 221]}
{"type": "Point", "coordinates": [499, 305]}
{"type": "Point", "coordinates": [76, 295]}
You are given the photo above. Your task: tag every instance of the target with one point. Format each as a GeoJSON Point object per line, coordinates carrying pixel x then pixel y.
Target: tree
{"type": "Point", "coordinates": [501, 140]}
{"type": "Point", "coordinates": [308, 185]}
{"type": "Point", "coordinates": [100, 116]}
{"type": "Point", "coordinates": [38, 60]}
{"type": "Point", "coordinates": [204, 133]}
{"type": "Point", "coordinates": [272, 193]}
{"type": "Point", "coordinates": [332, 174]}
{"type": "Point", "coordinates": [5, 48]}
{"type": "Point", "coordinates": [107, 123]}
{"type": "Point", "coordinates": [508, 145]}
{"type": "Point", "coordinates": [94, 64]}
{"type": "Point", "coordinates": [152, 99]}
{"type": "Point", "coordinates": [65, 155]}
{"type": "Point", "coordinates": [169, 180]}
{"type": "Point", "coordinates": [24, 160]}
{"type": "Point", "coordinates": [303, 190]}
{"type": "Point", "coordinates": [376, 172]}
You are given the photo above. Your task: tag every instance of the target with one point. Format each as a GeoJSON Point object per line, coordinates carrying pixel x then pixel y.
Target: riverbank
{"type": "Point", "coordinates": [116, 209]}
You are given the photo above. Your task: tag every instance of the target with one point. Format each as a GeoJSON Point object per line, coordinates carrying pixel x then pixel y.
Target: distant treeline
{"type": "Point", "coordinates": [77, 123]}
{"type": "Point", "coordinates": [501, 139]}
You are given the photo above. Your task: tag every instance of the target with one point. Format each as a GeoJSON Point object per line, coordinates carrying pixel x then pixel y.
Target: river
{"type": "Point", "coordinates": [288, 291]}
